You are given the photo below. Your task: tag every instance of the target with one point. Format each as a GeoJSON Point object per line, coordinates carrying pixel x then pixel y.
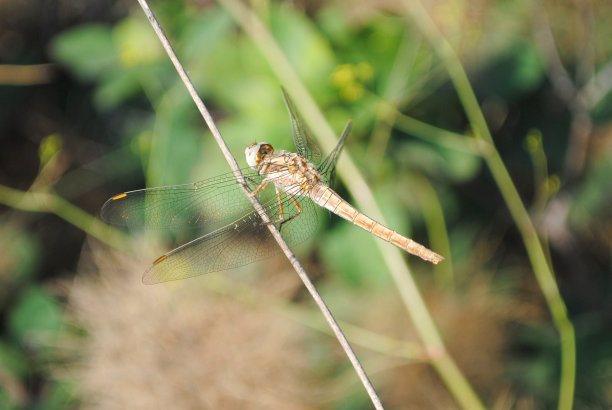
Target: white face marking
{"type": "Point", "coordinates": [253, 154]}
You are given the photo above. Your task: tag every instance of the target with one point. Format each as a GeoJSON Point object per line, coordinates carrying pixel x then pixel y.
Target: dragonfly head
{"type": "Point", "coordinates": [255, 152]}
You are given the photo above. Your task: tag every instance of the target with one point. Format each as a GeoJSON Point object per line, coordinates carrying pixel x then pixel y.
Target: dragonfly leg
{"type": "Point", "coordinates": [298, 207]}
{"type": "Point", "coordinates": [261, 186]}
{"type": "Point", "coordinates": [253, 182]}
{"type": "Point", "coordinates": [281, 209]}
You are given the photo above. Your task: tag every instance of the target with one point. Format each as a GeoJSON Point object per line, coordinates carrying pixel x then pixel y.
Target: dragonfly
{"type": "Point", "coordinates": [224, 230]}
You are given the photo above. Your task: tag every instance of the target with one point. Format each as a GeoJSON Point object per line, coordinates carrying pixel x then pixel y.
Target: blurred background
{"type": "Point", "coordinates": [91, 106]}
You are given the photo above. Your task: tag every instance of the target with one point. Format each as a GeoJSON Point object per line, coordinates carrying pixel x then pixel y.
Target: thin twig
{"type": "Point", "coordinates": [407, 288]}
{"type": "Point", "coordinates": [598, 86]}
{"type": "Point", "coordinates": [403, 350]}
{"type": "Point", "coordinates": [565, 87]}
{"type": "Point", "coordinates": [541, 267]}
{"type": "Point", "coordinates": [275, 233]}
{"type": "Point", "coordinates": [52, 203]}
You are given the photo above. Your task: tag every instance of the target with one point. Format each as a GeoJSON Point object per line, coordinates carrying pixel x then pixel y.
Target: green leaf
{"type": "Point", "coordinates": [516, 70]}
{"type": "Point", "coordinates": [5, 399]}
{"type": "Point", "coordinates": [20, 253]}
{"type": "Point", "coordinates": [335, 24]}
{"type": "Point", "coordinates": [351, 253]}
{"type": "Point", "coordinates": [117, 87]}
{"type": "Point", "coordinates": [442, 162]}
{"type": "Point", "coordinates": [88, 50]}
{"type": "Point", "coordinates": [13, 360]}
{"type": "Point", "coordinates": [136, 43]}
{"type": "Point", "coordinates": [594, 196]}
{"type": "Point", "coordinates": [36, 318]}
{"type": "Point", "coordinates": [602, 111]}
{"type": "Point", "coordinates": [58, 396]}
{"type": "Point", "coordinates": [459, 165]}
{"type": "Point", "coordinates": [203, 34]}
{"type": "Point", "coordinates": [175, 147]}
{"type": "Point", "coordinates": [303, 44]}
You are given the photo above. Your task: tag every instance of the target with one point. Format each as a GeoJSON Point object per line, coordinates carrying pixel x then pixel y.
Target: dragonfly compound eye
{"type": "Point", "coordinates": [265, 149]}
{"type": "Point", "coordinates": [256, 151]}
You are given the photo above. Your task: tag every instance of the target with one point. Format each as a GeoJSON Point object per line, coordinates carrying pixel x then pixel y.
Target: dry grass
{"type": "Point", "coordinates": [181, 346]}
{"type": "Point", "coordinates": [184, 346]}
{"type": "Point", "coordinates": [476, 325]}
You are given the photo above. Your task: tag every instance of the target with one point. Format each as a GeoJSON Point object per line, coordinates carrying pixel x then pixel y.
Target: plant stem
{"type": "Point", "coordinates": [273, 230]}
{"type": "Point", "coordinates": [357, 186]}
{"type": "Point", "coordinates": [48, 202]}
{"type": "Point", "coordinates": [542, 270]}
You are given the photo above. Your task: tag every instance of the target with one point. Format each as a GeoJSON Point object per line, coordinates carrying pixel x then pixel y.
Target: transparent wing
{"type": "Point", "coordinates": [304, 143]}
{"type": "Point", "coordinates": [244, 241]}
{"type": "Point", "coordinates": [236, 234]}
{"type": "Point", "coordinates": [328, 166]}
{"type": "Point", "coordinates": [208, 204]}
{"type": "Point", "coordinates": [308, 148]}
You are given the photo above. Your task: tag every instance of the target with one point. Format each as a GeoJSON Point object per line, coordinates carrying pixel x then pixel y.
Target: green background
{"type": "Point", "coordinates": [95, 107]}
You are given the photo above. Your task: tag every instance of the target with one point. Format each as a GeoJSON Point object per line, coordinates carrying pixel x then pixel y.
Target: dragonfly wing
{"type": "Point", "coordinates": [208, 204]}
{"type": "Point", "coordinates": [328, 166]}
{"type": "Point", "coordinates": [304, 143]}
{"type": "Point", "coordinates": [242, 242]}
{"type": "Point", "coordinates": [231, 246]}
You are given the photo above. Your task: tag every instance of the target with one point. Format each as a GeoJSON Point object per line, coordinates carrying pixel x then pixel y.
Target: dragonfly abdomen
{"type": "Point", "coordinates": [327, 198]}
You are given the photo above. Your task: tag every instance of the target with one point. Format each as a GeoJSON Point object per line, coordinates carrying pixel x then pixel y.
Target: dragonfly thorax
{"type": "Point", "coordinates": [255, 152]}
{"type": "Point", "coordinates": [289, 172]}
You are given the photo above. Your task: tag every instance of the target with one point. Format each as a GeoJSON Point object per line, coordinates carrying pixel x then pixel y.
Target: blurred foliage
{"type": "Point", "coordinates": [118, 118]}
